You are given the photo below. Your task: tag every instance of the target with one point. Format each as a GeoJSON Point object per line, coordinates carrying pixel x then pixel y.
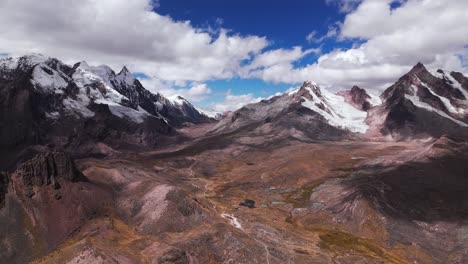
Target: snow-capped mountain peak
{"type": "Point", "coordinates": [24, 63]}
{"type": "Point", "coordinates": [95, 85]}
{"type": "Point", "coordinates": [189, 109]}
{"type": "Point", "coordinates": [177, 100]}
{"type": "Point", "coordinates": [48, 79]}
{"type": "Point", "coordinates": [76, 89]}
{"type": "Point", "coordinates": [424, 102]}
{"type": "Point", "coordinates": [83, 65]}
{"type": "Point", "coordinates": [211, 113]}
{"type": "Point", "coordinates": [125, 72]}
{"type": "Point", "coordinates": [310, 109]}
{"type": "Point", "coordinates": [125, 76]}
{"type": "Point", "coordinates": [32, 59]}
{"type": "Point", "coordinates": [333, 108]}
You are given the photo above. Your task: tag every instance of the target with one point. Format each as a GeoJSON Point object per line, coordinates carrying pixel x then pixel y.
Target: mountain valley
{"type": "Point", "coordinates": [97, 169]}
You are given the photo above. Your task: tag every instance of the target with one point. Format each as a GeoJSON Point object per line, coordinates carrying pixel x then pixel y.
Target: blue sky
{"type": "Point", "coordinates": [223, 54]}
{"type": "Point", "coordinates": [284, 24]}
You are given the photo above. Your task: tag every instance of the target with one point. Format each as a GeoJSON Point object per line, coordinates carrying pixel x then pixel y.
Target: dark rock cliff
{"type": "Point", "coordinates": [46, 169]}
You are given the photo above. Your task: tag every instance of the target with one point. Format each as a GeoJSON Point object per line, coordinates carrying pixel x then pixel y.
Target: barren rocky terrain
{"type": "Point", "coordinates": [314, 202]}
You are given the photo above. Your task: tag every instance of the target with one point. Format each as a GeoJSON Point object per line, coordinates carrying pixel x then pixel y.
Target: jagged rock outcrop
{"type": "Point", "coordinates": [174, 256]}
{"type": "Point", "coordinates": [359, 98]}
{"type": "Point", "coordinates": [47, 199]}
{"type": "Point", "coordinates": [46, 169]}
{"type": "Point", "coordinates": [458, 76]}
{"type": "Point", "coordinates": [4, 182]}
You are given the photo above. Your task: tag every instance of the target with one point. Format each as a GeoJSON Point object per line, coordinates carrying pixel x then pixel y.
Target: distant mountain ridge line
{"type": "Point", "coordinates": [45, 100]}
{"type": "Point", "coordinates": [419, 104]}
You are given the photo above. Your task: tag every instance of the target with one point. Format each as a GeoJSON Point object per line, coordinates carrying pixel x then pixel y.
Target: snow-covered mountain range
{"type": "Point", "coordinates": [38, 91]}
{"type": "Point", "coordinates": [44, 100]}
{"type": "Point", "coordinates": [419, 104]}
{"type": "Point", "coordinates": [122, 92]}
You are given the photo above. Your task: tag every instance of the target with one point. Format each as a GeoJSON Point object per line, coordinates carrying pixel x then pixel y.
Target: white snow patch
{"type": "Point", "coordinates": [159, 106]}
{"type": "Point", "coordinates": [103, 72]}
{"type": "Point", "coordinates": [77, 107]}
{"type": "Point", "coordinates": [208, 112]}
{"type": "Point", "coordinates": [342, 115]}
{"type": "Point", "coordinates": [293, 91]}
{"type": "Point", "coordinates": [48, 82]}
{"type": "Point", "coordinates": [176, 99]}
{"type": "Point", "coordinates": [415, 100]}
{"type": "Point", "coordinates": [437, 74]}
{"type": "Point", "coordinates": [129, 113]}
{"type": "Point", "coordinates": [53, 115]}
{"type": "Point", "coordinates": [455, 83]}
{"type": "Point", "coordinates": [85, 75]}
{"type": "Point", "coordinates": [232, 220]}
{"type": "Point", "coordinates": [374, 100]}
{"type": "Point", "coordinates": [125, 77]}
{"type": "Point", "coordinates": [9, 63]}
{"type": "Point", "coordinates": [34, 59]}
{"type": "Point", "coordinates": [445, 101]}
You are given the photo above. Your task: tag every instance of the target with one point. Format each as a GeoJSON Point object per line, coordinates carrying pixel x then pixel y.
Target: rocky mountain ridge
{"type": "Point", "coordinates": [422, 103]}
{"type": "Point", "coordinates": [419, 104]}
{"type": "Point", "coordinates": [46, 101]}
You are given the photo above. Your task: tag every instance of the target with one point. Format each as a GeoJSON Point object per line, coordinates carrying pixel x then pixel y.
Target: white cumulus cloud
{"type": "Point", "coordinates": [122, 32]}
{"type": "Point", "coordinates": [233, 102]}
{"type": "Point", "coordinates": [393, 40]}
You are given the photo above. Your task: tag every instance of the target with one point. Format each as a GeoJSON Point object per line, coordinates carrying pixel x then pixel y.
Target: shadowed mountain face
{"type": "Point", "coordinates": [96, 169]}
{"type": "Point", "coordinates": [423, 185]}
{"type": "Point", "coordinates": [44, 201]}
{"type": "Point", "coordinates": [420, 195]}
{"type": "Point", "coordinates": [421, 103]}
{"type": "Point", "coordinates": [431, 189]}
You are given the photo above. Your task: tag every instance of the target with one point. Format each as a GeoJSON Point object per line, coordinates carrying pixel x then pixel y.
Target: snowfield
{"type": "Point", "coordinates": [341, 114]}
{"type": "Point", "coordinates": [84, 85]}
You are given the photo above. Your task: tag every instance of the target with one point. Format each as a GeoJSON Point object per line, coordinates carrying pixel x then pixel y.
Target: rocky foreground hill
{"type": "Point", "coordinates": [97, 169]}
